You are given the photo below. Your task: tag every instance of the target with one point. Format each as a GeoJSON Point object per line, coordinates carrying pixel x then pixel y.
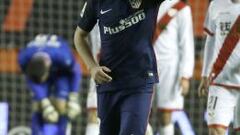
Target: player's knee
{"type": "Point", "coordinates": [61, 106]}
{"type": "Point", "coordinates": [165, 118]}
{"type": "Point", "coordinates": [92, 116]}
{"type": "Point", "coordinates": [217, 131]}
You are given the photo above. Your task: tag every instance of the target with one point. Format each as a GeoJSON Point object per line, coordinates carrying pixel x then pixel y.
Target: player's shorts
{"type": "Point", "coordinates": [125, 112]}
{"type": "Point", "coordinates": [92, 96]}
{"type": "Point", "coordinates": [55, 87]}
{"type": "Point", "coordinates": [223, 106]}
{"type": "Point", "coordinates": [168, 90]}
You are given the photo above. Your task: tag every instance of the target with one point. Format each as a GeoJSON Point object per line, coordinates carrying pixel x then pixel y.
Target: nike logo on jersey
{"type": "Point", "coordinates": [105, 11]}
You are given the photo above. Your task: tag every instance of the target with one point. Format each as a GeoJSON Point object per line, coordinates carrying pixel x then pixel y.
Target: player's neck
{"type": "Point", "coordinates": [236, 1]}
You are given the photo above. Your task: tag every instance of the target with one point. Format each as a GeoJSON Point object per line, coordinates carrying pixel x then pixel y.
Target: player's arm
{"type": "Point", "coordinates": [23, 59]}
{"type": "Point", "coordinates": [207, 65]}
{"type": "Point", "coordinates": [40, 96]}
{"type": "Point", "coordinates": [74, 77]}
{"type": "Point", "coordinates": [186, 43]}
{"type": "Point", "coordinates": [86, 22]}
{"type": "Point", "coordinates": [208, 54]}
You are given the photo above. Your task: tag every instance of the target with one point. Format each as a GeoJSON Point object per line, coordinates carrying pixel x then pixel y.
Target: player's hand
{"type": "Point", "coordinates": [203, 87]}
{"type": "Point", "coordinates": [185, 84]}
{"type": "Point", "coordinates": [99, 74]}
{"type": "Point", "coordinates": [49, 112]}
{"type": "Point", "coordinates": [73, 107]}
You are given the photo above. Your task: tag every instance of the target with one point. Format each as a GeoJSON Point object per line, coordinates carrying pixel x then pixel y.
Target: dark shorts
{"type": "Point", "coordinates": [125, 112]}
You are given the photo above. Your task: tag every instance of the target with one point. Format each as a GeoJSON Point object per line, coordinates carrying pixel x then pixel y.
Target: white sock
{"type": "Point", "coordinates": [167, 130]}
{"type": "Point", "coordinates": [149, 130]}
{"type": "Point", "coordinates": [92, 129]}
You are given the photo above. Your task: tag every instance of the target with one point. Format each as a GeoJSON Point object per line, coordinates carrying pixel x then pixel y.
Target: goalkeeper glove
{"type": "Point", "coordinates": [49, 112]}
{"type": "Point", "coordinates": [73, 107]}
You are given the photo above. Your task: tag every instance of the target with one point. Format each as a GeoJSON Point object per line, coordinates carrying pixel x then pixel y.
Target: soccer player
{"type": "Point", "coordinates": [127, 69]}
{"type": "Point", "coordinates": [53, 76]}
{"type": "Point", "coordinates": [93, 122]}
{"type": "Point", "coordinates": [220, 74]}
{"type": "Point", "coordinates": [174, 48]}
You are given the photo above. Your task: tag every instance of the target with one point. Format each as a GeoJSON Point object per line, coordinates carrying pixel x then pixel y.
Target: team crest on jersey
{"type": "Point", "coordinates": [135, 3]}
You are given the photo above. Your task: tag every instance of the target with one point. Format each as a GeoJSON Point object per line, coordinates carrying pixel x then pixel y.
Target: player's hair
{"type": "Point", "coordinates": [37, 67]}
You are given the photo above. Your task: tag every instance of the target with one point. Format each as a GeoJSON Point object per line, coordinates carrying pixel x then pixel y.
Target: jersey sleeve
{"type": "Point", "coordinates": [209, 25]}
{"type": "Point", "coordinates": [210, 42]}
{"type": "Point", "coordinates": [88, 15]}
{"type": "Point", "coordinates": [186, 42]}
{"type": "Point", "coordinates": [208, 56]}
{"type": "Point", "coordinates": [72, 69]}
{"type": "Point", "coordinates": [24, 58]}
{"type": "Point", "coordinates": [75, 78]}
{"type": "Point", "coordinates": [39, 90]}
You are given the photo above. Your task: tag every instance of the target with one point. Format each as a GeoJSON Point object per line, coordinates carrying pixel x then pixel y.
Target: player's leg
{"type": "Point", "coordinates": [92, 122]}
{"type": "Point", "coordinates": [166, 125]}
{"type": "Point", "coordinates": [135, 110]}
{"type": "Point", "coordinates": [168, 96]}
{"type": "Point", "coordinates": [206, 120]}
{"type": "Point", "coordinates": [236, 123]}
{"type": "Point", "coordinates": [61, 94]}
{"type": "Point", "coordinates": [220, 109]}
{"type": "Point", "coordinates": [183, 121]}
{"type": "Point", "coordinates": [108, 112]}
{"type": "Point", "coordinates": [167, 103]}
{"type": "Point", "coordinates": [37, 119]}
{"type": "Point", "coordinates": [50, 129]}
{"type": "Point", "coordinates": [61, 106]}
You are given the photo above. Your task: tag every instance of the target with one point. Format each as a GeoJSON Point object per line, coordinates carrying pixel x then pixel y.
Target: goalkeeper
{"type": "Point", "coordinates": [53, 76]}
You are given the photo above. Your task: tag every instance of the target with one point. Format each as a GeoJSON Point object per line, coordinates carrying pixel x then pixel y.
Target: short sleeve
{"type": "Point", "coordinates": [209, 25]}
{"type": "Point", "coordinates": [88, 15]}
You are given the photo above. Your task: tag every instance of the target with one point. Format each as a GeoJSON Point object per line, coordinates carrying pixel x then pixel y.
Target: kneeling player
{"type": "Point", "coordinates": [53, 76]}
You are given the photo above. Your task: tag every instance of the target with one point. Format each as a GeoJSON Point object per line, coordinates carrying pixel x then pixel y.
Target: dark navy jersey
{"type": "Point", "coordinates": [63, 62]}
{"type": "Point", "coordinates": [126, 29]}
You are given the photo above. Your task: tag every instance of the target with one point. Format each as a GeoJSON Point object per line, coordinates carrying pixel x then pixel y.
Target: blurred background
{"type": "Point", "coordinates": [21, 20]}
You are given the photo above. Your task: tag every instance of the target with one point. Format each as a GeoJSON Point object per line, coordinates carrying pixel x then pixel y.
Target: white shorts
{"type": "Point", "coordinates": [223, 106]}
{"type": "Point", "coordinates": [92, 96]}
{"type": "Point", "coordinates": [168, 90]}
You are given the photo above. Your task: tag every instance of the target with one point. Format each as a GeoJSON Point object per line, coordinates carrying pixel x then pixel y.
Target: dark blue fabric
{"type": "Point", "coordinates": [37, 123]}
{"type": "Point", "coordinates": [126, 40]}
{"type": "Point", "coordinates": [125, 113]}
{"type": "Point", "coordinates": [65, 73]}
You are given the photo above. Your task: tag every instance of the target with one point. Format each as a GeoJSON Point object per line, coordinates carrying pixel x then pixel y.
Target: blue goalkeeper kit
{"type": "Point", "coordinates": [65, 72]}
{"type": "Point", "coordinates": [64, 77]}
{"type": "Point", "coordinates": [126, 29]}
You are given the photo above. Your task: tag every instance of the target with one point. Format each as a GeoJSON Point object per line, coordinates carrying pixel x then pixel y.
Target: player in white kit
{"type": "Point", "coordinates": [174, 49]}
{"type": "Point", "coordinates": [93, 122]}
{"type": "Point", "coordinates": [221, 67]}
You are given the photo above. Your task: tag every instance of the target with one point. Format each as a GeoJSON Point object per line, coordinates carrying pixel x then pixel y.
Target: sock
{"type": "Point", "coordinates": [37, 123]}
{"type": "Point", "coordinates": [50, 129]}
{"type": "Point", "coordinates": [167, 130]}
{"type": "Point", "coordinates": [149, 130]}
{"type": "Point", "coordinates": [183, 121]}
{"type": "Point", "coordinates": [62, 125]}
{"type": "Point", "coordinates": [92, 129]}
